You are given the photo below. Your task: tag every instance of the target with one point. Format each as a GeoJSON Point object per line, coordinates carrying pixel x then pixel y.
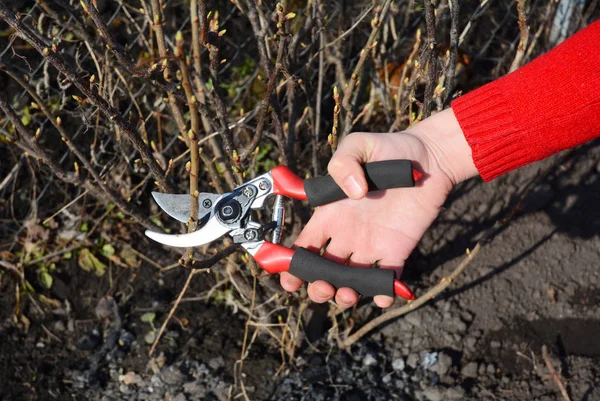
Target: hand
{"type": "Point", "coordinates": [384, 227]}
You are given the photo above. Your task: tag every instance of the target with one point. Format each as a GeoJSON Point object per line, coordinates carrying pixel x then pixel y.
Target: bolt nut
{"type": "Point", "coordinates": [251, 234]}
{"type": "Point", "coordinates": [263, 185]}
{"type": "Point", "coordinates": [249, 191]}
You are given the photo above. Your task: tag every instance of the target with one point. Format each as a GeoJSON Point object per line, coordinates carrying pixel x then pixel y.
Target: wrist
{"type": "Point", "coordinates": [447, 146]}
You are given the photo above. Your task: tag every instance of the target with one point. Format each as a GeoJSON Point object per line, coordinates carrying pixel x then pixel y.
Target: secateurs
{"type": "Point", "coordinates": [231, 214]}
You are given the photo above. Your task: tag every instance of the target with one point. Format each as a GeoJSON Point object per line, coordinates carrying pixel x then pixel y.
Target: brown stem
{"type": "Point", "coordinates": [430, 57]}
{"type": "Point", "coordinates": [217, 100]}
{"type": "Point", "coordinates": [113, 115]}
{"type": "Point", "coordinates": [163, 53]}
{"type": "Point", "coordinates": [524, 32]}
{"type": "Point", "coordinates": [554, 374]}
{"type": "Point", "coordinates": [196, 42]}
{"type": "Point", "coordinates": [333, 137]}
{"type": "Point", "coordinates": [454, 14]}
{"type": "Point", "coordinates": [175, 109]}
{"type": "Point", "coordinates": [199, 29]}
{"type": "Point", "coordinates": [252, 14]}
{"type": "Point", "coordinates": [193, 138]}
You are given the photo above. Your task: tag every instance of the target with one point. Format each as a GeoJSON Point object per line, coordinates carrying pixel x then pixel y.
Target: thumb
{"type": "Point", "coordinates": [345, 166]}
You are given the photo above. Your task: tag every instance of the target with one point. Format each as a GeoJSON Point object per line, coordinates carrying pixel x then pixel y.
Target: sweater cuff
{"type": "Point", "coordinates": [485, 116]}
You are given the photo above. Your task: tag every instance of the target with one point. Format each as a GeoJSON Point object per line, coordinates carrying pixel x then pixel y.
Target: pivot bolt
{"type": "Point", "coordinates": [230, 211]}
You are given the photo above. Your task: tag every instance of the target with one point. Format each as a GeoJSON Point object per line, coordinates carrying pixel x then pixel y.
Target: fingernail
{"type": "Point", "coordinates": [353, 187]}
{"type": "Point", "coordinates": [322, 295]}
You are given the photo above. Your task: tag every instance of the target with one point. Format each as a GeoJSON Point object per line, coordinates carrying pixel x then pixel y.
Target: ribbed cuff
{"type": "Point", "coordinates": [486, 118]}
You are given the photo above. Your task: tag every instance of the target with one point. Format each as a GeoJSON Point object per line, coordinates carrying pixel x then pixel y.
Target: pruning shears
{"type": "Point", "coordinates": [231, 214]}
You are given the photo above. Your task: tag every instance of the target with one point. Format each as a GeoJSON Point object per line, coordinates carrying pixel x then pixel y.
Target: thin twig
{"type": "Point", "coordinates": [430, 57]}
{"type": "Point", "coordinates": [71, 178]}
{"type": "Point", "coordinates": [173, 309]}
{"type": "Point", "coordinates": [192, 134]}
{"type": "Point", "coordinates": [57, 61]}
{"type": "Point", "coordinates": [376, 24]}
{"type": "Point", "coordinates": [317, 122]}
{"type": "Point", "coordinates": [332, 139]}
{"type": "Point", "coordinates": [119, 51]}
{"type": "Point", "coordinates": [555, 375]}
{"type": "Point", "coordinates": [74, 25]}
{"type": "Point", "coordinates": [264, 107]}
{"type": "Point", "coordinates": [412, 305]}
{"type": "Point", "coordinates": [524, 32]}
{"type": "Point", "coordinates": [56, 122]}
{"type": "Point", "coordinates": [454, 15]}
{"type": "Point", "coordinates": [123, 56]}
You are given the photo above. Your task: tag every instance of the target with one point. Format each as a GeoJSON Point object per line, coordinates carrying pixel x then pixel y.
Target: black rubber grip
{"type": "Point", "coordinates": [367, 282]}
{"type": "Point", "coordinates": [380, 175]}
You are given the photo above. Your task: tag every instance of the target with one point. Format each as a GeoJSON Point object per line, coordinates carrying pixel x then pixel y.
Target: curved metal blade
{"type": "Point", "coordinates": [178, 205]}
{"type": "Point", "coordinates": [210, 232]}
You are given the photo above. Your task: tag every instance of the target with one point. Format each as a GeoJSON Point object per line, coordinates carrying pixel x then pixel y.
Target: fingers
{"type": "Point", "coordinates": [346, 297]}
{"type": "Point", "coordinates": [290, 283]}
{"type": "Point", "coordinates": [312, 238]}
{"type": "Point", "coordinates": [383, 301]}
{"type": "Point", "coordinates": [345, 165]}
{"type": "Point", "coordinates": [394, 264]}
{"type": "Point", "coordinates": [320, 291]}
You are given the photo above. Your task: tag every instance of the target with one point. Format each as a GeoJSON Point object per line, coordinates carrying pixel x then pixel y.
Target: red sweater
{"type": "Point", "coordinates": [551, 104]}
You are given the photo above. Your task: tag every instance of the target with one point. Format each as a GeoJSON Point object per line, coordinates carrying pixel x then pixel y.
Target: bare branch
{"type": "Point", "coordinates": [454, 13]}
{"type": "Point", "coordinates": [430, 57]}
{"type": "Point", "coordinates": [70, 178]}
{"type": "Point", "coordinates": [113, 115]}
{"type": "Point", "coordinates": [524, 32]}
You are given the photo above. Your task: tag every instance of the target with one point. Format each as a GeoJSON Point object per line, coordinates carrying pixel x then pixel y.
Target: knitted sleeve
{"type": "Point", "coordinates": [550, 104]}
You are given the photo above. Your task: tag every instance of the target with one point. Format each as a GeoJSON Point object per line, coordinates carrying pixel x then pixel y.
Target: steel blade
{"type": "Point", "coordinates": [210, 232]}
{"type": "Point", "coordinates": [178, 206]}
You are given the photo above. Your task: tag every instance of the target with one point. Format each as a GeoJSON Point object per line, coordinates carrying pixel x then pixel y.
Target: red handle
{"type": "Point", "coordinates": [403, 291]}
{"type": "Point", "coordinates": [275, 258]}
{"type": "Point", "coordinates": [287, 183]}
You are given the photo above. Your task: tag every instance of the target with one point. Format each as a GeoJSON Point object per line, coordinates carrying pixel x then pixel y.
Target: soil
{"type": "Point", "coordinates": [534, 284]}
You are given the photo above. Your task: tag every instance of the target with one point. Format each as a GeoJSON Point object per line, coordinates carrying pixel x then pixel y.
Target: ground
{"type": "Point", "coordinates": [533, 284]}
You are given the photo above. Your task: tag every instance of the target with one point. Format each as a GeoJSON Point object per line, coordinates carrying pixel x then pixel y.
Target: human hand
{"type": "Point", "coordinates": [384, 227]}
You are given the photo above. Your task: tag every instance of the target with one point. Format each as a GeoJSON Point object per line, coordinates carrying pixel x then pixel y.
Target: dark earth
{"type": "Point", "coordinates": [534, 284]}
